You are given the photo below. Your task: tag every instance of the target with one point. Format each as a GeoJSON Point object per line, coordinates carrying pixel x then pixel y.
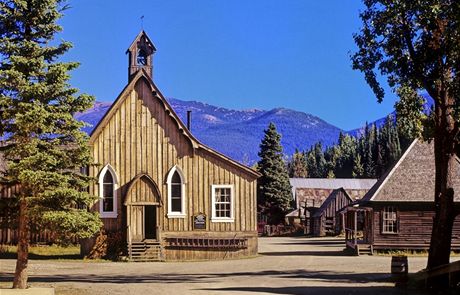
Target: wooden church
{"type": "Point", "coordinates": [167, 194]}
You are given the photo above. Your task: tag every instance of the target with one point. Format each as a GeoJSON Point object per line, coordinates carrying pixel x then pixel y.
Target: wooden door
{"type": "Point", "coordinates": [137, 223]}
{"type": "Point", "coordinates": [150, 222]}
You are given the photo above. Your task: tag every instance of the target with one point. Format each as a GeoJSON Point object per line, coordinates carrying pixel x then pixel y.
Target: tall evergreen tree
{"type": "Point", "coordinates": [42, 142]}
{"type": "Point", "coordinates": [348, 148]}
{"type": "Point", "coordinates": [358, 170]}
{"type": "Point", "coordinates": [297, 167]}
{"type": "Point", "coordinates": [320, 160]}
{"type": "Point", "coordinates": [274, 189]}
{"type": "Point", "coordinates": [368, 165]}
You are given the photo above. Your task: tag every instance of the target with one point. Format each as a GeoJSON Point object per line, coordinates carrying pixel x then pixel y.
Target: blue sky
{"type": "Point", "coordinates": [236, 54]}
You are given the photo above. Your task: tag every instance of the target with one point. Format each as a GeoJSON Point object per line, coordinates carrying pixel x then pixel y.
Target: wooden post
{"type": "Point", "coordinates": [355, 229]}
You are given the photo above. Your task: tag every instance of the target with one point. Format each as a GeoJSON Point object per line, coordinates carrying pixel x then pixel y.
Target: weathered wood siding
{"type": "Point", "coordinates": [141, 136]}
{"type": "Point", "coordinates": [326, 220]}
{"type": "Point", "coordinates": [414, 230]}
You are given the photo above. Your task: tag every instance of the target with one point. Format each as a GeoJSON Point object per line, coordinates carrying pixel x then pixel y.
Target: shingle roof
{"type": "Point", "coordinates": [332, 183]}
{"type": "Point", "coordinates": [412, 178]}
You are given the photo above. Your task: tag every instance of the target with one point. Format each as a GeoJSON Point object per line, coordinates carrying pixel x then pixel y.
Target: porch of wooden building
{"type": "Point", "coordinates": [359, 233]}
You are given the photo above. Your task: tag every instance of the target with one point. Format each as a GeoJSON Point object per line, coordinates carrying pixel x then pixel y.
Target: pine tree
{"type": "Point", "coordinates": [297, 167]}
{"type": "Point", "coordinates": [368, 165]}
{"type": "Point", "coordinates": [321, 165]}
{"type": "Point", "coordinates": [274, 189]}
{"type": "Point", "coordinates": [42, 142]}
{"type": "Point", "coordinates": [358, 169]}
{"type": "Point", "coordinates": [311, 164]}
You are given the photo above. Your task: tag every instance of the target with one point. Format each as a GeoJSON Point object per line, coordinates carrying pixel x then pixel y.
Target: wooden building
{"type": "Point", "coordinates": [170, 196]}
{"type": "Point", "coordinates": [397, 213]}
{"type": "Point", "coordinates": [310, 193]}
{"type": "Point", "coordinates": [326, 219]}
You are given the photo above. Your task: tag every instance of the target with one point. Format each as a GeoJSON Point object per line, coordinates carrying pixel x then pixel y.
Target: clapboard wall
{"type": "Point", "coordinates": [142, 135]}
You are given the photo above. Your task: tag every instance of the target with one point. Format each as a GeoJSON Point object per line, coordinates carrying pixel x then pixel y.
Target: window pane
{"type": "Point", "coordinates": [108, 177]}
{"type": "Point", "coordinates": [217, 195]}
{"type": "Point", "coordinates": [107, 191]}
{"type": "Point", "coordinates": [176, 190]}
{"type": "Point", "coordinates": [176, 178]}
{"type": "Point", "coordinates": [176, 205]}
{"type": "Point", "coordinates": [107, 205]}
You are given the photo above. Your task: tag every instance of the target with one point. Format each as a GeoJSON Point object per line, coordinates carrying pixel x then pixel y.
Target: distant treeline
{"type": "Point", "coordinates": [367, 155]}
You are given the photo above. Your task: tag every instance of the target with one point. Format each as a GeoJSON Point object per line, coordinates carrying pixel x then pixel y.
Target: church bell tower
{"type": "Point", "coordinates": [140, 54]}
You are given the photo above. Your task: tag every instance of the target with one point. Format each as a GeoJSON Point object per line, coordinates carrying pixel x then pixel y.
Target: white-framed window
{"type": "Point", "coordinates": [389, 220]}
{"type": "Point", "coordinates": [222, 203]}
{"type": "Point", "coordinates": [108, 203]}
{"type": "Point", "coordinates": [176, 193]}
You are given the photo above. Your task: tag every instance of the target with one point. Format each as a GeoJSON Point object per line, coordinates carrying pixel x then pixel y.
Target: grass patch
{"type": "Point", "coordinates": [40, 252]}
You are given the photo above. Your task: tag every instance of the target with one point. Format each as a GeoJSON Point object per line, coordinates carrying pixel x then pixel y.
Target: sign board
{"type": "Point", "coordinates": [199, 221]}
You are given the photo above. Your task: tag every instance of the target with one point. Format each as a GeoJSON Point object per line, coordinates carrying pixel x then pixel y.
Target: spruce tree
{"type": "Point", "coordinates": [298, 165]}
{"type": "Point", "coordinates": [368, 165]}
{"type": "Point", "coordinates": [358, 170]}
{"type": "Point", "coordinates": [42, 142]}
{"type": "Point", "coordinates": [312, 167]}
{"type": "Point", "coordinates": [274, 189]}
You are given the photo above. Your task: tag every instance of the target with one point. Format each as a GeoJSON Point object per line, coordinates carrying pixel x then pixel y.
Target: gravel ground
{"type": "Point", "coordinates": [292, 265]}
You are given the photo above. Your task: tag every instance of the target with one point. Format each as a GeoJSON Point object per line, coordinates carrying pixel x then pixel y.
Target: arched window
{"type": "Point", "coordinates": [176, 193]}
{"type": "Point", "coordinates": [107, 192]}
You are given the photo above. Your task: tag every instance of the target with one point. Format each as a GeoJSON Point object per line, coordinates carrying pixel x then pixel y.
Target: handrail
{"type": "Point", "coordinates": [130, 252]}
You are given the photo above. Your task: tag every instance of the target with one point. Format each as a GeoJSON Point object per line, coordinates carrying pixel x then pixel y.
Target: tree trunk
{"type": "Point", "coordinates": [20, 275]}
{"type": "Point", "coordinates": [445, 163]}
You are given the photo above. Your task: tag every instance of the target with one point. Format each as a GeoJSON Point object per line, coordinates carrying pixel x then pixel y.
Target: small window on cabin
{"type": "Point", "coordinates": [222, 203]}
{"type": "Point", "coordinates": [389, 220]}
{"type": "Point", "coordinates": [176, 192]}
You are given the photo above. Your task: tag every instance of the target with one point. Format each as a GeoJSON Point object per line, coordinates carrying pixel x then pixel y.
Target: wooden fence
{"type": "Point", "coordinates": [11, 236]}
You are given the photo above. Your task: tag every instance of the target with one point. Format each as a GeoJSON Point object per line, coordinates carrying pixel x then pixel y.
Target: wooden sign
{"type": "Point", "coordinates": [199, 221]}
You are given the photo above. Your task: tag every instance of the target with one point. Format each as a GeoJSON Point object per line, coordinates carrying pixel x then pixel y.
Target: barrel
{"type": "Point", "coordinates": [399, 268]}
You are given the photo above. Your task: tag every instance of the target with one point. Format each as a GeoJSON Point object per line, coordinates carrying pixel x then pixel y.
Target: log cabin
{"type": "Point", "coordinates": [398, 211]}
{"type": "Point", "coordinates": [326, 219]}
{"type": "Point", "coordinates": [171, 197]}
{"type": "Point", "coordinates": [310, 193]}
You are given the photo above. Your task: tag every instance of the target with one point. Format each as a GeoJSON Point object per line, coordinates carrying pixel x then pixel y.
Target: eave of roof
{"type": "Point", "coordinates": [142, 32]}
{"type": "Point", "coordinates": [196, 144]}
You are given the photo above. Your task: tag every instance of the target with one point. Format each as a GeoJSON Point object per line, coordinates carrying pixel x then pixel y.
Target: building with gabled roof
{"type": "Point", "coordinates": [169, 196]}
{"type": "Point", "coordinates": [326, 219]}
{"type": "Point", "coordinates": [398, 211]}
{"type": "Point", "coordinates": [312, 192]}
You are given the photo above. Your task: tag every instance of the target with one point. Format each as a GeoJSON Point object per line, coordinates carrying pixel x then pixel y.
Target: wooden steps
{"type": "Point", "coordinates": [365, 249]}
{"type": "Point", "coordinates": [145, 251]}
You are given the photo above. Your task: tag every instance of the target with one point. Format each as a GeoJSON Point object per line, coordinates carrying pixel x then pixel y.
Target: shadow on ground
{"type": "Point", "coordinates": [326, 276]}
{"type": "Point", "coordinates": [302, 290]}
{"type": "Point", "coordinates": [306, 253]}
{"type": "Point", "coordinates": [32, 256]}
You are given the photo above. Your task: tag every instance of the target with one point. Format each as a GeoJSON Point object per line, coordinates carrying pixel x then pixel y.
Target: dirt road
{"type": "Point", "coordinates": [285, 266]}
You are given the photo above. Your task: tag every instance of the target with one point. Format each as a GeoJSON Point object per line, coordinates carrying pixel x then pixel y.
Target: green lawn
{"type": "Point", "coordinates": [44, 252]}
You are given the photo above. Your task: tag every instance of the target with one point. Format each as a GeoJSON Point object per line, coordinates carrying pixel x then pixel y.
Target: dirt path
{"type": "Point", "coordinates": [284, 266]}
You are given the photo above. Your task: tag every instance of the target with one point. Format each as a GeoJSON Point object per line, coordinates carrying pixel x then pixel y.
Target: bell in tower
{"type": "Point", "coordinates": [141, 55]}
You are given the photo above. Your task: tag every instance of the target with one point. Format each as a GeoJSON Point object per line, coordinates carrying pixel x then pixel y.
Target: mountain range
{"type": "Point", "coordinates": [238, 133]}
